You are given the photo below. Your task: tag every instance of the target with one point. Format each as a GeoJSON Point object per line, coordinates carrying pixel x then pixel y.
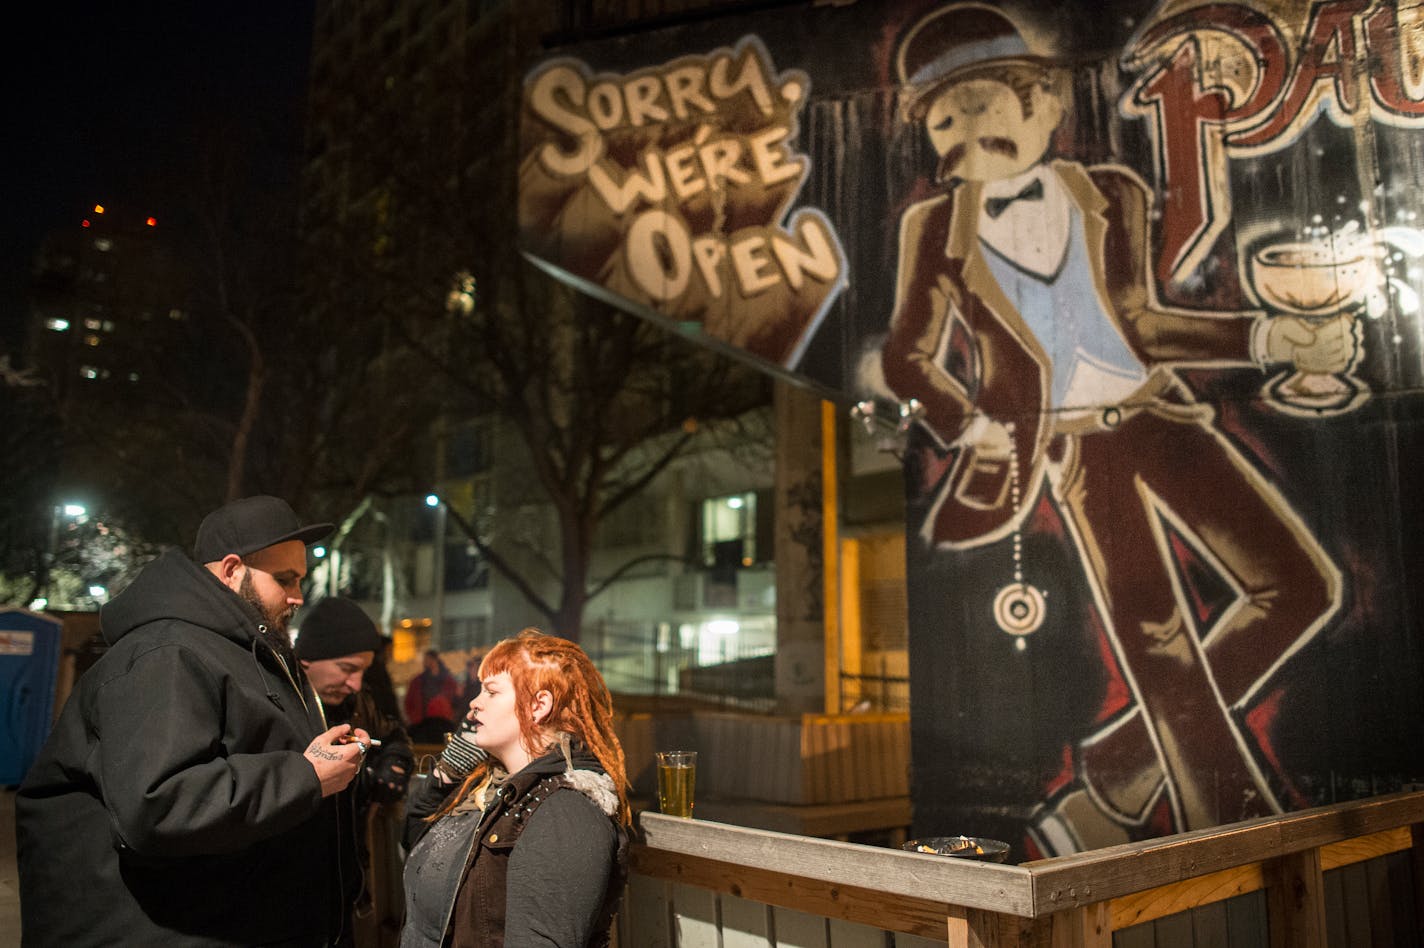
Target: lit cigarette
{"type": "Point", "coordinates": [348, 738]}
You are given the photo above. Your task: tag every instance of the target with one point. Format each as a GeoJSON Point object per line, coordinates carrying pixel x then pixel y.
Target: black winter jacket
{"type": "Point", "coordinates": [542, 868]}
{"type": "Point", "coordinates": [172, 804]}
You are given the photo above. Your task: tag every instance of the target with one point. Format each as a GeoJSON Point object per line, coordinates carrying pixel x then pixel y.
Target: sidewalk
{"type": "Point", "coordinates": [9, 877]}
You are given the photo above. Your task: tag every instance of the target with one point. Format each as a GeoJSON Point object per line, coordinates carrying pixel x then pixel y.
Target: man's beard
{"type": "Point", "coordinates": [274, 627]}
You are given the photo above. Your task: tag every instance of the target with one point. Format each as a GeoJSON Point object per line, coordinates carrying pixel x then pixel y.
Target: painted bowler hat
{"type": "Point", "coordinates": [953, 42]}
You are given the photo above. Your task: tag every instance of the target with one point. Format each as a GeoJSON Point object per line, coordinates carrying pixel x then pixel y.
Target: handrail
{"type": "Point", "coordinates": [1115, 871]}
{"type": "Point", "coordinates": [887, 872]}
{"type": "Point", "coordinates": [903, 891]}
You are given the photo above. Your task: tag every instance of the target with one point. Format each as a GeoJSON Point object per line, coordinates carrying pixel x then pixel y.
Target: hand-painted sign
{"type": "Point", "coordinates": [1229, 81]}
{"type": "Point", "coordinates": [668, 188]}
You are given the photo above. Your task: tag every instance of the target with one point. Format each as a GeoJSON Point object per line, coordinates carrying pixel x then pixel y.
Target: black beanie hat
{"type": "Point", "coordinates": [335, 628]}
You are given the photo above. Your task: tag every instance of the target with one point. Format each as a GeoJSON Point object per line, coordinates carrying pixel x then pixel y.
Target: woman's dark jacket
{"type": "Point", "coordinates": [545, 865]}
{"type": "Point", "coordinates": [172, 804]}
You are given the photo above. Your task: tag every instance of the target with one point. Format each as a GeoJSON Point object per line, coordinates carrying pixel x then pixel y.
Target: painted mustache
{"type": "Point", "coordinates": [993, 144]}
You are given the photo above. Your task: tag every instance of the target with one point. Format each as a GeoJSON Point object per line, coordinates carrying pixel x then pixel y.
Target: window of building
{"type": "Point", "coordinates": [467, 450]}
{"type": "Point", "coordinates": [464, 567]}
{"type": "Point", "coordinates": [729, 531]}
{"type": "Point", "coordinates": [637, 521]}
{"type": "Point", "coordinates": [465, 632]}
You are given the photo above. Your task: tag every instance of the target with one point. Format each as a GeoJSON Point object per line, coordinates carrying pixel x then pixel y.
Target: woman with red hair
{"type": "Point", "coordinates": [519, 835]}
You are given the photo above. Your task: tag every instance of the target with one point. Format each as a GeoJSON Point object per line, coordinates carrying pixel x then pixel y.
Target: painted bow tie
{"type": "Point", "coordinates": [1033, 191]}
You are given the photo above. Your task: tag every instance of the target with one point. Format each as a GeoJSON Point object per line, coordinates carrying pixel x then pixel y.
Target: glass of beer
{"type": "Point", "coordinates": [677, 773]}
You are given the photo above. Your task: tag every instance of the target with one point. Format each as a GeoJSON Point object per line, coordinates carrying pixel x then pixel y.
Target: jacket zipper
{"type": "Point", "coordinates": [262, 630]}
{"type": "Point", "coordinates": [321, 713]}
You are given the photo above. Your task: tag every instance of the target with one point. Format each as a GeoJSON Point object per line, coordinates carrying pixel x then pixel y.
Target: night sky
{"type": "Point", "coordinates": [105, 100]}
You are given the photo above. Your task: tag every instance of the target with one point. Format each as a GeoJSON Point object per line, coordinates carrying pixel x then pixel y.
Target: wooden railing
{"type": "Point", "coordinates": [696, 882]}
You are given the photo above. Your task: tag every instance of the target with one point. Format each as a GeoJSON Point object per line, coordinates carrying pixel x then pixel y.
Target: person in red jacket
{"type": "Point", "coordinates": [421, 703]}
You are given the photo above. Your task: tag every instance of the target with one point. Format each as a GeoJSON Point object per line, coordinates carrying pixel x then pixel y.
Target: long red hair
{"type": "Point", "coordinates": [580, 704]}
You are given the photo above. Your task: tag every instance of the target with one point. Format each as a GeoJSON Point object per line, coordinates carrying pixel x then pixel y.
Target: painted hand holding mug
{"type": "Point", "coordinates": [677, 775]}
{"type": "Point", "coordinates": [1317, 288]}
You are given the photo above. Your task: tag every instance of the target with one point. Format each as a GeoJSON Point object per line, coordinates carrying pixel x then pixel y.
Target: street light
{"type": "Point", "coordinates": [68, 509]}
{"type": "Point", "coordinates": [438, 566]}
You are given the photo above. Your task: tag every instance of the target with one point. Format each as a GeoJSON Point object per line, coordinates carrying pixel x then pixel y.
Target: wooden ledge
{"type": "Point", "coordinates": [913, 876]}
{"type": "Point", "coordinates": [1224, 860]}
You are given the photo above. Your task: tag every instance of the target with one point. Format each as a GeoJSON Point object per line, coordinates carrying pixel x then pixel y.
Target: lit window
{"type": "Point", "coordinates": [729, 531]}
{"type": "Point", "coordinates": [88, 372]}
{"type": "Point", "coordinates": [107, 326]}
{"type": "Point", "coordinates": [57, 325]}
{"type": "Point", "coordinates": [98, 208]}
{"type": "Point", "coordinates": [91, 324]}
{"type": "Point", "coordinates": [175, 314]}
{"type": "Point", "coordinates": [91, 340]}
{"type": "Point", "coordinates": [133, 376]}
{"type": "Point", "coordinates": [103, 244]}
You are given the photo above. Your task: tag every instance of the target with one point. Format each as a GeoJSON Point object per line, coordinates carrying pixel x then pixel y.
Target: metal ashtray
{"type": "Point", "coordinates": [965, 847]}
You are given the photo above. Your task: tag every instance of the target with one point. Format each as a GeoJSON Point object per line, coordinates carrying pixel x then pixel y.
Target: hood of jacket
{"type": "Point", "coordinates": [579, 769]}
{"type": "Point", "coordinates": [174, 587]}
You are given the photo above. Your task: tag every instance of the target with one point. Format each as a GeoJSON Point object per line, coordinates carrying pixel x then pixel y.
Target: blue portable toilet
{"type": "Point", "coordinates": [29, 664]}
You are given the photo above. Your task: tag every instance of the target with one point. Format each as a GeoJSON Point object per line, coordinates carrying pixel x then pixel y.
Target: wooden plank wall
{"type": "Point", "coordinates": [1232, 923]}
{"type": "Point", "coordinates": [1368, 904]}
{"type": "Point", "coordinates": [1371, 903]}
{"type": "Point", "coordinates": [815, 759]}
{"type": "Point", "coordinates": [661, 914]}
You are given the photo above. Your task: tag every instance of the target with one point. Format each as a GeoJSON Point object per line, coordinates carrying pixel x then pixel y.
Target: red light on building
{"type": "Point", "coordinates": [152, 222]}
{"type": "Point", "coordinates": [85, 223]}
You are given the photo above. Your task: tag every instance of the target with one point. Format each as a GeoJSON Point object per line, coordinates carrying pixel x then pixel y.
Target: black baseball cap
{"type": "Point", "coordinates": [251, 524]}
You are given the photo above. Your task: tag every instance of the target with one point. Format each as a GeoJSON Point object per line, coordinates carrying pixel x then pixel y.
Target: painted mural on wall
{"type": "Point", "coordinates": [1141, 282]}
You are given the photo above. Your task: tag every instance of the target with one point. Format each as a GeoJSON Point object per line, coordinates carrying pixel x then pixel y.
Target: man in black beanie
{"type": "Point", "coordinates": [336, 644]}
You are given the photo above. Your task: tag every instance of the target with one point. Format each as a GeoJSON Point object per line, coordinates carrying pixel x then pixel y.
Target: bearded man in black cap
{"type": "Point", "coordinates": [184, 797]}
{"type": "Point", "coordinates": [336, 644]}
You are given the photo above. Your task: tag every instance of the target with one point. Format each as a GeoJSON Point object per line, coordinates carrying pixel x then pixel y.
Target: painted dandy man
{"type": "Point", "coordinates": [1027, 326]}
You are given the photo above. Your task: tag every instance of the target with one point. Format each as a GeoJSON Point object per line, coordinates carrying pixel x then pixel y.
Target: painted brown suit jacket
{"type": "Point", "coordinates": [948, 301]}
